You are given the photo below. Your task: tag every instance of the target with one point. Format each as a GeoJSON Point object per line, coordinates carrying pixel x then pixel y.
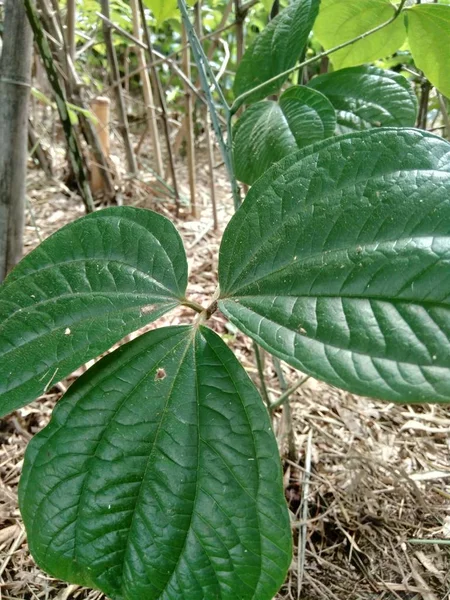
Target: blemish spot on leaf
{"type": "Point", "coordinates": [148, 308]}
{"type": "Point", "coordinates": [67, 331]}
{"type": "Point", "coordinates": [160, 374]}
{"type": "Point", "coordinates": [302, 330]}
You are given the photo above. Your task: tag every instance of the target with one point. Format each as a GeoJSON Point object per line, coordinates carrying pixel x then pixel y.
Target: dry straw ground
{"type": "Point", "coordinates": [374, 523]}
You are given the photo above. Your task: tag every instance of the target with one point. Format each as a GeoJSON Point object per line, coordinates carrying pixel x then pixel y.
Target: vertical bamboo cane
{"type": "Point", "coordinates": [101, 108]}
{"type": "Point", "coordinates": [189, 126]}
{"type": "Point", "coordinates": [70, 23]}
{"type": "Point", "coordinates": [115, 76]}
{"type": "Point", "coordinates": [208, 137]}
{"type": "Point", "coordinates": [147, 90]}
{"type": "Point", "coordinates": [162, 103]}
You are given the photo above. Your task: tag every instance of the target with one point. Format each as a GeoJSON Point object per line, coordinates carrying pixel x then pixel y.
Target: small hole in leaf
{"type": "Point", "coordinates": [160, 374]}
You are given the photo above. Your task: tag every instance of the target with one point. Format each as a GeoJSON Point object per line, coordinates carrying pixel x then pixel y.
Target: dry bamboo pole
{"type": "Point", "coordinates": [209, 54]}
{"type": "Point", "coordinates": [101, 107]}
{"type": "Point", "coordinates": [72, 87]}
{"type": "Point", "coordinates": [70, 24]}
{"type": "Point", "coordinates": [163, 106]}
{"type": "Point", "coordinates": [147, 91]}
{"type": "Point", "coordinates": [208, 138]}
{"type": "Point", "coordinates": [120, 103]}
{"type": "Point", "coordinates": [15, 85]}
{"type": "Point", "coordinates": [190, 149]}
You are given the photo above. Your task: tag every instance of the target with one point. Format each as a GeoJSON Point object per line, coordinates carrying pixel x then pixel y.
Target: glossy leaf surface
{"type": "Point", "coordinates": [268, 131]}
{"type": "Point", "coordinates": [83, 289]}
{"type": "Point", "coordinates": [429, 39]}
{"type": "Point", "coordinates": [366, 97]}
{"type": "Point", "coordinates": [159, 477]}
{"type": "Point", "coordinates": [338, 262]}
{"type": "Point", "coordinates": [340, 21]}
{"type": "Point", "coordinates": [276, 49]}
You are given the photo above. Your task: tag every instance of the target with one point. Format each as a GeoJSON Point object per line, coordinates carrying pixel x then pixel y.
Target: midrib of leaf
{"type": "Point", "coordinates": [148, 463]}
{"type": "Point", "coordinates": [92, 385]}
{"type": "Point", "coordinates": [256, 456]}
{"type": "Point", "coordinates": [312, 258]}
{"type": "Point", "coordinates": [111, 420]}
{"type": "Point", "coordinates": [108, 218]}
{"type": "Point", "coordinates": [86, 261]}
{"type": "Point", "coordinates": [312, 340]}
{"type": "Point", "coordinates": [107, 295]}
{"type": "Point", "coordinates": [296, 211]}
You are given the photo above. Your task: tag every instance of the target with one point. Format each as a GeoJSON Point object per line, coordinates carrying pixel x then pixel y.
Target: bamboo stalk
{"type": "Point", "coordinates": [120, 103]}
{"type": "Point", "coordinates": [210, 54]}
{"type": "Point", "coordinates": [70, 24]}
{"type": "Point", "coordinates": [75, 154]}
{"type": "Point", "coordinates": [147, 91]}
{"type": "Point", "coordinates": [163, 106]}
{"type": "Point", "coordinates": [190, 150]}
{"type": "Point", "coordinates": [15, 85]}
{"type": "Point", "coordinates": [101, 108]}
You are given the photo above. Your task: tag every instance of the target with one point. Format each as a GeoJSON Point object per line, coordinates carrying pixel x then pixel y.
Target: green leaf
{"type": "Point", "coordinates": [268, 131]}
{"type": "Point", "coordinates": [366, 97]}
{"type": "Point", "coordinates": [342, 20]}
{"type": "Point", "coordinates": [429, 39]}
{"type": "Point", "coordinates": [163, 10]}
{"type": "Point", "coordinates": [159, 477]}
{"type": "Point", "coordinates": [82, 290]}
{"type": "Point", "coordinates": [276, 49]}
{"type": "Point", "coordinates": [339, 263]}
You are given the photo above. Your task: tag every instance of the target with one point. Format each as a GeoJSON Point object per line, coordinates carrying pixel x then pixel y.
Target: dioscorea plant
{"type": "Point", "coordinates": [158, 477]}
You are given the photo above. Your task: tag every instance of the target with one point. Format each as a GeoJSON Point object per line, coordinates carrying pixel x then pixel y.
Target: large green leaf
{"type": "Point", "coordinates": [268, 131]}
{"type": "Point", "coordinates": [82, 290]}
{"type": "Point", "coordinates": [366, 97]}
{"type": "Point", "coordinates": [159, 477]}
{"type": "Point", "coordinates": [429, 39]}
{"type": "Point", "coordinates": [276, 49]}
{"type": "Point", "coordinates": [342, 20]}
{"type": "Point", "coordinates": [339, 263]}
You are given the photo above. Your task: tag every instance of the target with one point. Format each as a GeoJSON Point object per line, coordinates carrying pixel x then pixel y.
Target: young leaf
{"type": "Point", "coordinates": [82, 290]}
{"type": "Point", "coordinates": [339, 263]}
{"type": "Point", "coordinates": [342, 20]}
{"type": "Point", "coordinates": [159, 477]}
{"type": "Point", "coordinates": [268, 131]}
{"type": "Point", "coordinates": [429, 39]}
{"type": "Point", "coordinates": [366, 97]}
{"type": "Point", "coordinates": [276, 49]}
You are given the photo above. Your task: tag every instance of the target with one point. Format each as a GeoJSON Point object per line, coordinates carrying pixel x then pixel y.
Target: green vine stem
{"type": "Point", "coordinates": [241, 99]}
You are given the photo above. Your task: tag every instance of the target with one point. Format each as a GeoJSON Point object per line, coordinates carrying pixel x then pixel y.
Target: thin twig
{"type": "Point", "coordinates": [301, 551]}
{"type": "Point", "coordinates": [260, 366]}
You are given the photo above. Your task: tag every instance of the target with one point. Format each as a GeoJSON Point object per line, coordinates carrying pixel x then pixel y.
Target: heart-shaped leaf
{"type": "Point", "coordinates": [159, 477]}
{"type": "Point", "coordinates": [366, 97]}
{"type": "Point", "coordinates": [82, 290]}
{"type": "Point", "coordinates": [276, 49]}
{"type": "Point", "coordinates": [429, 39]}
{"type": "Point", "coordinates": [339, 263]}
{"type": "Point", "coordinates": [340, 21]}
{"type": "Point", "coordinates": [268, 131]}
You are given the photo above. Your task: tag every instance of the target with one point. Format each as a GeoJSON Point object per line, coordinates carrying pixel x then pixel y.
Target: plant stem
{"type": "Point", "coordinates": [194, 305]}
{"type": "Point", "coordinates": [285, 395]}
{"type": "Point", "coordinates": [241, 99]}
{"type": "Point", "coordinates": [260, 366]}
